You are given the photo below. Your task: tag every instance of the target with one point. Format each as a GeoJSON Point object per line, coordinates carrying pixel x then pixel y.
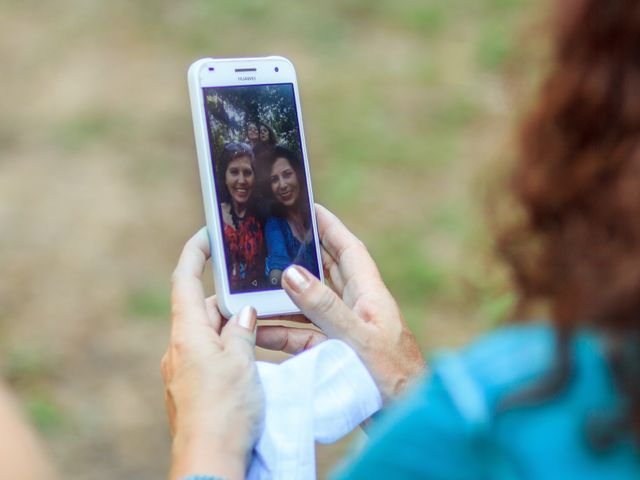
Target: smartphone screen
{"type": "Point", "coordinates": [260, 180]}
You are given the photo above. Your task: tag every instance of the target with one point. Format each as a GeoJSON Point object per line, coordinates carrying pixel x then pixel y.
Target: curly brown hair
{"type": "Point", "coordinates": [578, 178]}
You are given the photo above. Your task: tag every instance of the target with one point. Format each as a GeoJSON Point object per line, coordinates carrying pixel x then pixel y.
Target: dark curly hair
{"type": "Point", "coordinates": [577, 248]}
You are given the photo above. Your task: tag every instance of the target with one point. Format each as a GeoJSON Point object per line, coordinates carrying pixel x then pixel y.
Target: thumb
{"type": "Point", "coordinates": [240, 331]}
{"type": "Point", "coordinates": [319, 303]}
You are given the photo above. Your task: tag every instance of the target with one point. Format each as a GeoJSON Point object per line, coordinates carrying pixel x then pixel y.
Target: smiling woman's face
{"type": "Point", "coordinates": [264, 133]}
{"type": "Point", "coordinates": [284, 182]}
{"type": "Point", "coordinates": [252, 131]}
{"type": "Point", "coordinates": [239, 178]}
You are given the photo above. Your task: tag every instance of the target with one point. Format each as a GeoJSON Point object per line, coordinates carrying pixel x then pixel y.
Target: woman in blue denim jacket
{"type": "Point", "coordinates": [535, 400]}
{"type": "Point", "coordinates": [288, 231]}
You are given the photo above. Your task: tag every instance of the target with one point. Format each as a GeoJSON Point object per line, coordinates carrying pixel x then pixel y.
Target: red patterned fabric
{"type": "Point", "coordinates": [245, 254]}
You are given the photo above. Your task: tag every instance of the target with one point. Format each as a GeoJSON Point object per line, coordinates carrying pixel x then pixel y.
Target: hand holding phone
{"type": "Point", "coordinates": [213, 396]}
{"type": "Point", "coordinates": [255, 179]}
{"type": "Point", "coordinates": [358, 309]}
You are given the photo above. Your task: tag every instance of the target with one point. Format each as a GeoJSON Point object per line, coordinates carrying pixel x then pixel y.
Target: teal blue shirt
{"type": "Point", "coordinates": [447, 427]}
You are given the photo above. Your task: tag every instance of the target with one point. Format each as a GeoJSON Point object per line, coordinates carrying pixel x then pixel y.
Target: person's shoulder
{"type": "Point", "coordinates": [512, 353]}
{"type": "Point", "coordinates": [274, 222]}
{"type": "Point", "coordinates": [275, 229]}
{"type": "Point", "coordinates": [225, 208]}
{"type": "Point", "coordinates": [498, 362]}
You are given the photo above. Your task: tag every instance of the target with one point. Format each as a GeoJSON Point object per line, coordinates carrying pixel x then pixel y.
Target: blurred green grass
{"type": "Point", "coordinates": [47, 415]}
{"type": "Point", "coordinates": [405, 105]}
{"type": "Point", "coordinates": [385, 84]}
{"type": "Point", "coordinates": [150, 303]}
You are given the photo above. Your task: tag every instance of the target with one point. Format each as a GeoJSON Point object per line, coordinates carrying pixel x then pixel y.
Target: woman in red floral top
{"type": "Point", "coordinates": [244, 239]}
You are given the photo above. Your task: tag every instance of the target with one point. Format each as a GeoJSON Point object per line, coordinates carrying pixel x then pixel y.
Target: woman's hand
{"type": "Point", "coordinates": [357, 309]}
{"type": "Point", "coordinates": [213, 395]}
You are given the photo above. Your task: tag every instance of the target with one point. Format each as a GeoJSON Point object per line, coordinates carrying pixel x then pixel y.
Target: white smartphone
{"type": "Point", "coordinates": [255, 179]}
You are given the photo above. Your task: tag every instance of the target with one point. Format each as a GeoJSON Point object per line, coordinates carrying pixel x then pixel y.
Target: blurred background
{"type": "Point", "coordinates": [409, 109]}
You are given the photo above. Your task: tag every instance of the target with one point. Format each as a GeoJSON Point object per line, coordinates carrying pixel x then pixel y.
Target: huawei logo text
{"type": "Point", "coordinates": [246, 78]}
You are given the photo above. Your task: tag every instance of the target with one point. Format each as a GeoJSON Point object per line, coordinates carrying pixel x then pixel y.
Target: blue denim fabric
{"type": "Point", "coordinates": [283, 248]}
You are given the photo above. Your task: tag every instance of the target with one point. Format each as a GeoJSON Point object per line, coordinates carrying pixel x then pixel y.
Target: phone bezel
{"type": "Point", "coordinates": [267, 303]}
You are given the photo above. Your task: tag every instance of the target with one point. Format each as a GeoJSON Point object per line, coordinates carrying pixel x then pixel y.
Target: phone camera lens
{"type": "Point", "coordinates": [277, 69]}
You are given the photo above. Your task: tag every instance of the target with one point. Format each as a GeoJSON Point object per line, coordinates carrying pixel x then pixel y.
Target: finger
{"type": "Point", "coordinates": [334, 236]}
{"type": "Point", "coordinates": [240, 332]}
{"type": "Point", "coordinates": [171, 411]}
{"type": "Point", "coordinates": [327, 260]}
{"type": "Point", "coordinates": [332, 272]}
{"type": "Point", "coordinates": [211, 305]}
{"type": "Point", "coordinates": [297, 318]}
{"type": "Point", "coordinates": [348, 252]}
{"type": "Point", "coordinates": [165, 368]}
{"type": "Point", "coordinates": [288, 339]}
{"type": "Point", "coordinates": [319, 303]}
{"type": "Point", "coordinates": [187, 296]}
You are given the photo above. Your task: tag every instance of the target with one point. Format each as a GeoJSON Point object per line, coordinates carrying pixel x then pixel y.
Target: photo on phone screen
{"type": "Point", "coordinates": [260, 180]}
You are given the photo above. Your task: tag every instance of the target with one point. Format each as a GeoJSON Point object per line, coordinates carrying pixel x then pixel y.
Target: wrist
{"type": "Point", "coordinates": [202, 454]}
{"type": "Point", "coordinates": [394, 383]}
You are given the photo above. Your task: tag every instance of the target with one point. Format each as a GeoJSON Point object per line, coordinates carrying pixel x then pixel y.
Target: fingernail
{"type": "Point", "coordinates": [247, 318]}
{"type": "Point", "coordinates": [296, 278]}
